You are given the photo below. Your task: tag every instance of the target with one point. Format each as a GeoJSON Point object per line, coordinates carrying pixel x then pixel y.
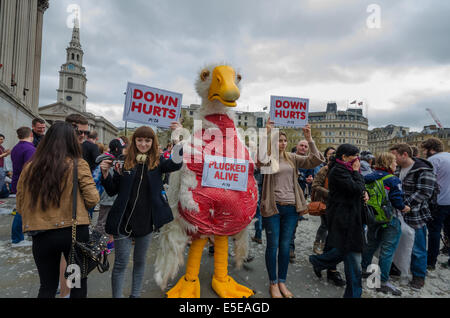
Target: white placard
{"type": "Point", "coordinates": [225, 173]}
{"type": "Point", "coordinates": [289, 111]}
{"type": "Point", "coordinates": [151, 106]}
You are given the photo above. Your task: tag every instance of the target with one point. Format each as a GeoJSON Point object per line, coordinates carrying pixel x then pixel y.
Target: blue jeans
{"type": "Point", "coordinates": [279, 229]}
{"type": "Point", "coordinates": [419, 253]}
{"type": "Point", "coordinates": [16, 229]}
{"type": "Point", "coordinates": [387, 239]}
{"type": "Point", "coordinates": [440, 218]}
{"type": "Point", "coordinates": [122, 246]}
{"type": "Point", "coordinates": [4, 192]}
{"type": "Point", "coordinates": [352, 268]}
{"type": "Point", "coordinates": [258, 223]}
{"type": "Point", "coordinates": [2, 177]}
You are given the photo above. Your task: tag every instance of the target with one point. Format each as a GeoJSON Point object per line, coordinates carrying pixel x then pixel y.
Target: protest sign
{"type": "Point", "coordinates": [225, 173]}
{"type": "Point", "coordinates": [289, 111]}
{"type": "Point", "coordinates": [151, 106]}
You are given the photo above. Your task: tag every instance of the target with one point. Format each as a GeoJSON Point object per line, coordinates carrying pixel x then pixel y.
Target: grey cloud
{"type": "Point", "coordinates": [411, 111]}
{"type": "Point", "coordinates": [285, 42]}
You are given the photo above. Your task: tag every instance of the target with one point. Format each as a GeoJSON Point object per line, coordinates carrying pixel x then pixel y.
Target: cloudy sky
{"type": "Point", "coordinates": [394, 56]}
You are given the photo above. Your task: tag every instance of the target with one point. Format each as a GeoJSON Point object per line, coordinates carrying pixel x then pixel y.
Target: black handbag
{"type": "Point", "coordinates": [369, 215]}
{"type": "Point", "coordinates": [87, 255]}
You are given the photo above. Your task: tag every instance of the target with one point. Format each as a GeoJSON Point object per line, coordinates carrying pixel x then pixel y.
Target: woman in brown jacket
{"type": "Point", "coordinates": [281, 203]}
{"type": "Point", "coordinates": [44, 199]}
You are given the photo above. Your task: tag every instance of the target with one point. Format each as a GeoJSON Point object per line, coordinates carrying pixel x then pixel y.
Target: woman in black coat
{"type": "Point", "coordinates": [141, 205]}
{"type": "Point", "coordinates": [345, 219]}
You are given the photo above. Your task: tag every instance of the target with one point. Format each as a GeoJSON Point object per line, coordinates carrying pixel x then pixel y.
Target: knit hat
{"type": "Point", "coordinates": [115, 147]}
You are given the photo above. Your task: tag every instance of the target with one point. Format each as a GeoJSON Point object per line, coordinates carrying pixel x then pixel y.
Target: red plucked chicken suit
{"type": "Point", "coordinates": [221, 212]}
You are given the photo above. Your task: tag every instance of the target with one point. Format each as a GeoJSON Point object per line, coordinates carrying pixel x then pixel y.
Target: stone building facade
{"type": "Point", "coordinates": [381, 139]}
{"type": "Point", "coordinates": [339, 127]}
{"type": "Point", "coordinates": [21, 24]}
{"type": "Point", "coordinates": [416, 138]}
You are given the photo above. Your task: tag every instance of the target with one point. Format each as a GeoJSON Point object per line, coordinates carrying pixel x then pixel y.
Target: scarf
{"type": "Point", "coordinates": [348, 165]}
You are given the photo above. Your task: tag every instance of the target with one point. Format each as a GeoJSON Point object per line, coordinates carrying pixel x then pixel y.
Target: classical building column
{"type": "Point", "coordinates": [31, 43]}
{"type": "Point", "coordinates": [20, 49]}
{"type": "Point", "coordinates": [41, 7]}
{"type": "Point", "coordinates": [8, 12]}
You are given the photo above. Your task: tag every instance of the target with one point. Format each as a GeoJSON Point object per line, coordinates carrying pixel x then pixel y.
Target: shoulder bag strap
{"type": "Point", "coordinates": [74, 199]}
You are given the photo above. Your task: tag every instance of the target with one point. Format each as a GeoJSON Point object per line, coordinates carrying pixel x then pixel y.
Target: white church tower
{"type": "Point", "coordinates": [72, 76]}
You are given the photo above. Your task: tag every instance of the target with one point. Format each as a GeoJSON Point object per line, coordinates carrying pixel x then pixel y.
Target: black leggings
{"type": "Point", "coordinates": [47, 249]}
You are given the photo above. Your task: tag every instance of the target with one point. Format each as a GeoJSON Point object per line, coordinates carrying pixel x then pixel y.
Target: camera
{"type": "Point", "coordinates": [117, 162]}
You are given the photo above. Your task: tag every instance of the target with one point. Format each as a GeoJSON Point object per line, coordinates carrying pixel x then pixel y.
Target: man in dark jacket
{"type": "Point", "coordinates": [90, 150]}
{"type": "Point", "coordinates": [38, 127]}
{"type": "Point", "coordinates": [418, 181]}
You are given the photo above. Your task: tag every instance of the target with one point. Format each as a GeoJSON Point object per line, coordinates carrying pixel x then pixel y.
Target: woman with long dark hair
{"type": "Point", "coordinates": [141, 206]}
{"type": "Point", "coordinates": [345, 219]}
{"type": "Point", "coordinates": [44, 199]}
{"type": "Point", "coordinates": [281, 203]}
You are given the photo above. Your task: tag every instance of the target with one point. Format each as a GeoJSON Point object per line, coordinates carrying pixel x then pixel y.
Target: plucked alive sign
{"type": "Point", "coordinates": [289, 111]}
{"type": "Point", "coordinates": [151, 106]}
{"type": "Point", "coordinates": [225, 173]}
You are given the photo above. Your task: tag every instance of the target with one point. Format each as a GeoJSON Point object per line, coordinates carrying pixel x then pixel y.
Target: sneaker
{"type": "Point", "coordinates": [388, 288]}
{"type": "Point", "coordinates": [395, 271]}
{"type": "Point", "coordinates": [316, 270]}
{"type": "Point", "coordinates": [417, 282]}
{"type": "Point", "coordinates": [23, 243]}
{"type": "Point", "coordinates": [317, 248]}
{"type": "Point", "coordinates": [335, 277]}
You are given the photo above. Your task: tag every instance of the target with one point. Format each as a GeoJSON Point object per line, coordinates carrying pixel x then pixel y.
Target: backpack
{"type": "Point", "coordinates": [379, 201]}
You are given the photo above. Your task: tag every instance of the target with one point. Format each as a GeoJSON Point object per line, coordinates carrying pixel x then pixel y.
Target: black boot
{"type": "Point", "coordinates": [335, 277]}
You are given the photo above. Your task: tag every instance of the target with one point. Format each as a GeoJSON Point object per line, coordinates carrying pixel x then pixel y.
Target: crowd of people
{"type": "Point", "coordinates": [394, 202]}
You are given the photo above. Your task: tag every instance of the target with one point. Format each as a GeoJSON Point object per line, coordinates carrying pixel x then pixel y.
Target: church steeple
{"type": "Point", "coordinates": [75, 43]}
{"type": "Point", "coordinates": [72, 83]}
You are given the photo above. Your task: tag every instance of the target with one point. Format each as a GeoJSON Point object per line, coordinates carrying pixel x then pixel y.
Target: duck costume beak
{"type": "Point", "coordinates": [223, 86]}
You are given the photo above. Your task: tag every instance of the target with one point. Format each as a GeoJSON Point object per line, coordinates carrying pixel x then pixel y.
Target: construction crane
{"type": "Point", "coordinates": [435, 118]}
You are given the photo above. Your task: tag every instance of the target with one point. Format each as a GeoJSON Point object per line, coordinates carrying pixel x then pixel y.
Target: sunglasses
{"type": "Point", "coordinates": [83, 132]}
{"type": "Point", "coordinates": [80, 132]}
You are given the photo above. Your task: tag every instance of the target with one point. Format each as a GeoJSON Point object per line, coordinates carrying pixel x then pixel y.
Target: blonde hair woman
{"type": "Point", "coordinates": [281, 203]}
{"type": "Point", "coordinates": [385, 237]}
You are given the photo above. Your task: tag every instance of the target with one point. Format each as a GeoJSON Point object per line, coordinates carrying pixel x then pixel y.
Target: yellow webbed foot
{"type": "Point", "coordinates": [185, 289]}
{"type": "Point", "coordinates": [228, 288]}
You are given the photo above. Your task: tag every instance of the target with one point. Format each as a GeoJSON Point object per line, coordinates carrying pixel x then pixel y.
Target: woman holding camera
{"type": "Point", "coordinates": [141, 205]}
